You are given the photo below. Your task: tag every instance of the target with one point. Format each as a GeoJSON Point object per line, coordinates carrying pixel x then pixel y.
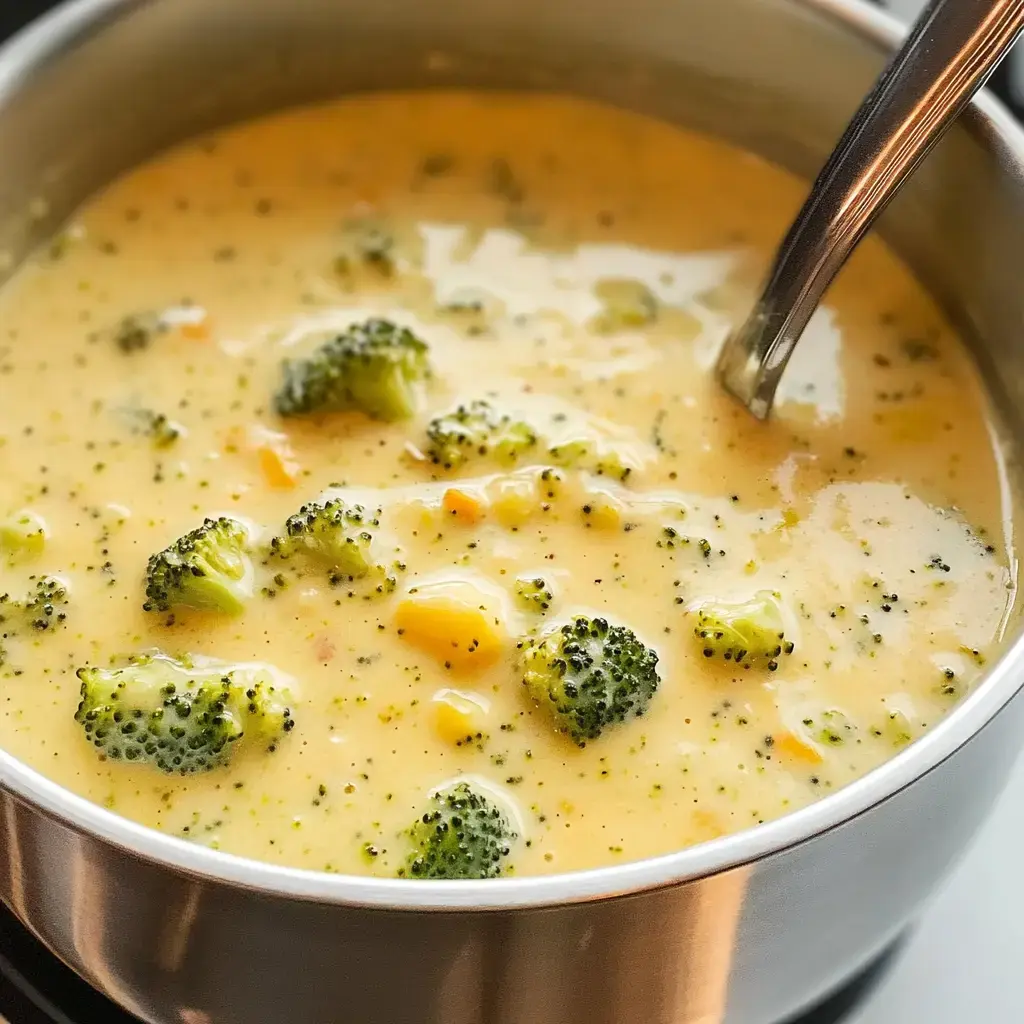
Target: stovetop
{"type": "Point", "coordinates": [36, 988]}
{"type": "Point", "coordinates": [962, 961]}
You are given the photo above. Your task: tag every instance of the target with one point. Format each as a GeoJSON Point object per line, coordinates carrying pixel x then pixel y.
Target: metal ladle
{"type": "Point", "coordinates": [946, 58]}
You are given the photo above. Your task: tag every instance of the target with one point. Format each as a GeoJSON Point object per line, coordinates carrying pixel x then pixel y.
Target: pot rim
{"type": "Point", "coordinates": [41, 43]}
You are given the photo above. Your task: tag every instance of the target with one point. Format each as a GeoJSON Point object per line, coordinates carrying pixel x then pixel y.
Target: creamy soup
{"type": "Point", "coordinates": [473, 335]}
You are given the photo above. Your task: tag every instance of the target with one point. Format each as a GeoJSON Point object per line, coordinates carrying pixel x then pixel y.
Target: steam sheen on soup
{"type": "Point", "coordinates": [369, 504]}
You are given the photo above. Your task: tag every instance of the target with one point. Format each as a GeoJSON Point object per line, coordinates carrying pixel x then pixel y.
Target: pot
{"type": "Point", "coordinates": [746, 929]}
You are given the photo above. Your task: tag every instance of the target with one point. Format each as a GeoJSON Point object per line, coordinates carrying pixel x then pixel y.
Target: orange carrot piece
{"type": "Point", "coordinates": [278, 467]}
{"type": "Point", "coordinates": [197, 328]}
{"type": "Point", "coordinates": [791, 745]}
{"type": "Point", "coordinates": [462, 505]}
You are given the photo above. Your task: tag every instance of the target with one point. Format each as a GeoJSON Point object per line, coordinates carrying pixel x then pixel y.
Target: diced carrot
{"type": "Point", "coordinates": [278, 466]}
{"type": "Point", "coordinates": [197, 329]}
{"type": "Point", "coordinates": [790, 745]}
{"type": "Point", "coordinates": [462, 505]}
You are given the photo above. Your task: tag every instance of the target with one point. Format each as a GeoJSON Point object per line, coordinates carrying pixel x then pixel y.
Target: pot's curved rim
{"type": "Point", "coordinates": [41, 43]}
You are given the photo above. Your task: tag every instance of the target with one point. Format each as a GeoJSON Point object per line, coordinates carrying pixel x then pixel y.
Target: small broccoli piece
{"type": "Point", "coordinates": [373, 368]}
{"type": "Point", "coordinates": [45, 606]}
{"type": "Point", "coordinates": [158, 427]}
{"type": "Point", "coordinates": [207, 569]}
{"type": "Point", "coordinates": [43, 609]}
{"type": "Point", "coordinates": [178, 716]}
{"type": "Point", "coordinates": [589, 676]}
{"type": "Point", "coordinates": [627, 304]}
{"type": "Point", "coordinates": [836, 728]}
{"type": "Point", "coordinates": [743, 632]}
{"type": "Point", "coordinates": [463, 834]}
{"type": "Point", "coordinates": [477, 430]}
{"type": "Point", "coordinates": [23, 536]}
{"type": "Point", "coordinates": [334, 535]}
{"type": "Point", "coordinates": [585, 455]}
{"type": "Point", "coordinates": [135, 333]}
{"type": "Point", "coordinates": [533, 594]}
{"type": "Point", "coordinates": [896, 729]}
{"type": "Point", "coordinates": [368, 244]}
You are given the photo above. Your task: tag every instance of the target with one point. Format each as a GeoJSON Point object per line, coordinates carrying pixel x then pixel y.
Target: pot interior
{"type": "Point", "coordinates": [126, 78]}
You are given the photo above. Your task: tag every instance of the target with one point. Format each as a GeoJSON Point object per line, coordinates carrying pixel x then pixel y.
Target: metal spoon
{"type": "Point", "coordinates": [950, 52]}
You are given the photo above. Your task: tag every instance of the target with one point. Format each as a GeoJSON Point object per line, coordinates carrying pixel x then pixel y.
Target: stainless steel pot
{"type": "Point", "coordinates": [744, 930]}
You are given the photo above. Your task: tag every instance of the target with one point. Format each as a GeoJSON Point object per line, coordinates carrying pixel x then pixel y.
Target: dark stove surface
{"type": "Point", "coordinates": [36, 988]}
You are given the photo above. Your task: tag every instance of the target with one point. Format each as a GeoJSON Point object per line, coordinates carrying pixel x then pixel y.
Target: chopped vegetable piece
{"type": "Point", "coordinates": [460, 717]}
{"type": "Point", "coordinates": [279, 467]}
{"type": "Point", "coordinates": [455, 622]}
{"type": "Point", "coordinates": [589, 676]}
{"type": "Point", "coordinates": [745, 632]}
{"type": "Point", "coordinates": [207, 569]}
{"type": "Point", "coordinates": [628, 305]}
{"type": "Point", "coordinates": [375, 368]}
{"type": "Point", "coordinates": [181, 716]}
{"type": "Point", "coordinates": [462, 834]}
{"type": "Point", "coordinates": [335, 536]}
{"type": "Point", "coordinates": [23, 536]}
{"type": "Point", "coordinates": [534, 594]}
{"type": "Point", "coordinates": [465, 507]}
{"type": "Point", "coordinates": [477, 430]}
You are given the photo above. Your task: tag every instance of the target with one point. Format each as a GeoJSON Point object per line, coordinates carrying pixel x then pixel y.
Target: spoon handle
{"type": "Point", "coordinates": [950, 51]}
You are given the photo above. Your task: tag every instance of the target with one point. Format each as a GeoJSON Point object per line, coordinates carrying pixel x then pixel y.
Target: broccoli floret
{"type": "Point", "coordinates": [744, 632]}
{"type": "Point", "coordinates": [373, 368]}
{"type": "Point", "coordinates": [836, 728]}
{"type": "Point", "coordinates": [896, 729]}
{"type": "Point", "coordinates": [470, 309]}
{"type": "Point", "coordinates": [207, 569]}
{"type": "Point", "coordinates": [180, 717]}
{"type": "Point", "coordinates": [45, 606]}
{"type": "Point", "coordinates": [43, 609]}
{"type": "Point", "coordinates": [627, 304]}
{"type": "Point", "coordinates": [368, 244]}
{"type": "Point", "coordinates": [463, 834]}
{"type": "Point", "coordinates": [23, 536]}
{"type": "Point", "coordinates": [590, 675]}
{"type": "Point", "coordinates": [533, 594]}
{"type": "Point", "coordinates": [159, 428]}
{"type": "Point", "coordinates": [135, 333]}
{"type": "Point", "coordinates": [585, 455]}
{"type": "Point", "coordinates": [477, 430]}
{"type": "Point", "coordinates": [336, 536]}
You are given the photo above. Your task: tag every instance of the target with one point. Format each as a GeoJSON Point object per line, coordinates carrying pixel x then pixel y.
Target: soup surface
{"type": "Point", "coordinates": [786, 604]}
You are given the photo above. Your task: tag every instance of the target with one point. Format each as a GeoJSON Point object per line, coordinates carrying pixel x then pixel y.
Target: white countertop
{"type": "Point", "coordinates": [966, 959]}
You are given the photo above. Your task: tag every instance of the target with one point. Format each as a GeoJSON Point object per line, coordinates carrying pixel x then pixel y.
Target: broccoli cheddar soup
{"type": "Point", "coordinates": [369, 505]}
